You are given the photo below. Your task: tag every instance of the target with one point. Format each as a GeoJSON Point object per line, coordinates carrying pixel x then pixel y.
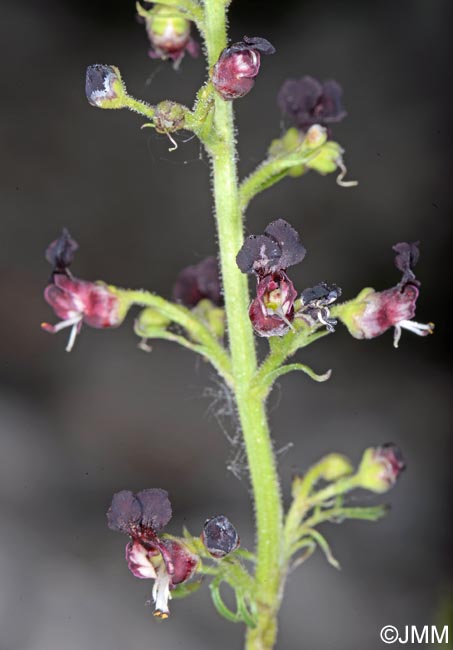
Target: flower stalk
{"type": "Point", "coordinates": [251, 408]}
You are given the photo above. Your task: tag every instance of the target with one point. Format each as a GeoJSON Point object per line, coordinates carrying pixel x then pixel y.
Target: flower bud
{"type": "Point", "coordinates": [104, 87]}
{"type": "Point", "coordinates": [233, 75]}
{"type": "Point", "coordinates": [335, 466]}
{"type": "Point", "coordinates": [219, 536]}
{"type": "Point", "coordinates": [149, 321]}
{"type": "Point", "coordinates": [380, 468]}
{"type": "Point", "coordinates": [315, 136]}
{"type": "Point", "coordinates": [169, 34]}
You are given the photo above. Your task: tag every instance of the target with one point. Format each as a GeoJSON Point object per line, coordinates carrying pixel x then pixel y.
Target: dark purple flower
{"type": "Point", "coordinates": [167, 561]}
{"type": "Point", "coordinates": [315, 303]}
{"type": "Point", "coordinates": [60, 253]}
{"type": "Point", "coordinates": [197, 282]}
{"type": "Point", "coordinates": [374, 312]}
{"type": "Point", "coordinates": [407, 256]}
{"type": "Point", "coordinates": [233, 75]}
{"type": "Point", "coordinates": [268, 256]}
{"type": "Point", "coordinates": [220, 536]}
{"type": "Point", "coordinates": [307, 101]}
{"type": "Point", "coordinates": [380, 467]}
{"type": "Point", "coordinates": [77, 301]}
{"type": "Point", "coordinates": [276, 250]}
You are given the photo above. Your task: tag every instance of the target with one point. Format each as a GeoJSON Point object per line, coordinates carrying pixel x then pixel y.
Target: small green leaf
{"type": "Point", "coordinates": [324, 546]}
{"type": "Point", "coordinates": [220, 606]}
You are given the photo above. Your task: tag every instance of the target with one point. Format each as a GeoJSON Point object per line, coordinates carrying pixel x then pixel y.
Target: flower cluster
{"type": "Point", "coordinates": [233, 75]}
{"type": "Point", "coordinates": [166, 560]}
{"type": "Point", "coordinates": [307, 101]}
{"type": "Point", "coordinates": [268, 256]}
{"type": "Point", "coordinates": [78, 301]}
{"type": "Point", "coordinates": [372, 312]}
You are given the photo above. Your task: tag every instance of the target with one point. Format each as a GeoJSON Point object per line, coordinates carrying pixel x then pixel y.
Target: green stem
{"type": "Point", "coordinates": [210, 346]}
{"type": "Point", "coordinates": [251, 409]}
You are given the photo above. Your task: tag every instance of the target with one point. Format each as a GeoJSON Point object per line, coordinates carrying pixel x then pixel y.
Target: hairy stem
{"type": "Point", "coordinates": [251, 408]}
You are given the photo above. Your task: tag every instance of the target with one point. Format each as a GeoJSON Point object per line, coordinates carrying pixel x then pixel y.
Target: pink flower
{"type": "Point", "coordinates": [374, 312]}
{"type": "Point", "coordinates": [167, 561]}
{"type": "Point", "coordinates": [233, 75]}
{"type": "Point", "coordinates": [77, 301]}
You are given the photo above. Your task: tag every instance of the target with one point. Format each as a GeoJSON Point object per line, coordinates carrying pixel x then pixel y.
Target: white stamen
{"type": "Point", "coordinates": [161, 593]}
{"type": "Point", "coordinates": [72, 336]}
{"type": "Point", "coordinates": [421, 329]}
{"type": "Point", "coordinates": [66, 323]}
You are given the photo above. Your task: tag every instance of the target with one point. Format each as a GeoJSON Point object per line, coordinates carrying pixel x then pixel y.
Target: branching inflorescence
{"type": "Point", "coordinates": [211, 314]}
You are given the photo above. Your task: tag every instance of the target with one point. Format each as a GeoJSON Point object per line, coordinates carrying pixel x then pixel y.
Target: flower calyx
{"type": "Point", "coordinates": [380, 468]}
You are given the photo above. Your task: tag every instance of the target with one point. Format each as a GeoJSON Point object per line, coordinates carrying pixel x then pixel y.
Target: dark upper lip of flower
{"type": "Point", "coordinates": [277, 249]}
{"type": "Point", "coordinates": [307, 101]}
{"type": "Point", "coordinates": [140, 515]}
{"type": "Point", "coordinates": [257, 43]}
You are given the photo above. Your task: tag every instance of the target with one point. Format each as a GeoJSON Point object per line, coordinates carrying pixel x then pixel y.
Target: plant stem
{"type": "Point", "coordinates": [251, 408]}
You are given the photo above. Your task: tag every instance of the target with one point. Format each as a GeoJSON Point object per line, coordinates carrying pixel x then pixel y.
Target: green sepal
{"type": "Point", "coordinates": [212, 316]}
{"type": "Point", "coordinates": [186, 589]}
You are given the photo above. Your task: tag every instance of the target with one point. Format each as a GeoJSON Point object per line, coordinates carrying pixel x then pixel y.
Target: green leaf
{"type": "Point", "coordinates": [220, 606]}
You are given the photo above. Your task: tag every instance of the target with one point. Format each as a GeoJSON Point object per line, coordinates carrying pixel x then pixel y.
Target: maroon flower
{"type": "Point", "coordinates": [374, 312]}
{"type": "Point", "coordinates": [77, 301]}
{"type": "Point", "coordinates": [268, 256]}
{"type": "Point", "coordinates": [380, 467]}
{"type": "Point", "coordinates": [219, 536]}
{"type": "Point", "coordinates": [307, 101]}
{"type": "Point", "coordinates": [233, 75]}
{"type": "Point", "coordinates": [166, 561]}
{"type": "Point", "coordinates": [60, 253]}
{"type": "Point", "coordinates": [197, 282]}
{"type": "Point", "coordinates": [272, 311]}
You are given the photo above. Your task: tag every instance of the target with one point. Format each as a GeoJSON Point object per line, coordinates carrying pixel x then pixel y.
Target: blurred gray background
{"type": "Point", "coordinates": [77, 427]}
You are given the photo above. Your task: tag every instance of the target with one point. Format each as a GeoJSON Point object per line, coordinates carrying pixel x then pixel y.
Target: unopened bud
{"type": "Point", "coordinates": [380, 467]}
{"type": "Point", "coordinates": [233, 75]}
{"type": "Point", "coordinates": [104, 87]}
{"type": "Point", "coordinates": [335, 466]}
{"type": "Point", "coordinates": [219, 536]}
